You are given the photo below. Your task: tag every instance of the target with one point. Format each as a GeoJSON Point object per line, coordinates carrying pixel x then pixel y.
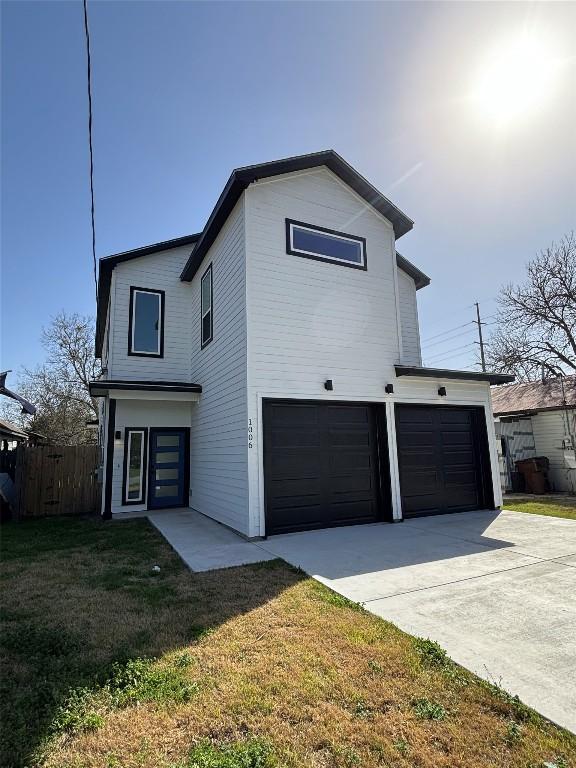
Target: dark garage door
{"type": "Point", "coordinates": [442, 453]}
{"type": "Point", "coordinates": [321, 465]}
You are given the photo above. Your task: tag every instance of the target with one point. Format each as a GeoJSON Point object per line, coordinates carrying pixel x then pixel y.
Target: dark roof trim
{"type": "Point", "coordinates": [241, 178]}
{"type": "Point", "coordinates": [105, 275]}
{"type": "Point", "coordinates": [444, 373]}
{"type": "Point", "coordinates": [104, 385]}
{"type": "Point", "coordinates": [421, 279]}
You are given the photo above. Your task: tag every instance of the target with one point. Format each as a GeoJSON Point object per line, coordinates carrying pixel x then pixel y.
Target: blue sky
{"type": "Point", "coordinates": [184, 92]}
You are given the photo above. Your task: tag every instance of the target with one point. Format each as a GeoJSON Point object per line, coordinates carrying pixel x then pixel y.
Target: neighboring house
{"type": "Point", "coordinates": [11, 435]}
{"type": "Point", "coordinates": [267, 371]}
{"type": "Point", "coordinates": [538, 419]}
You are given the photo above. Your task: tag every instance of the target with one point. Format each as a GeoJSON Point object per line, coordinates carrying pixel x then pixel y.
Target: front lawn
{"type": "Point", "coordinates": [109, 663]}
{"type": "Point", "coordinates": [544, 506]}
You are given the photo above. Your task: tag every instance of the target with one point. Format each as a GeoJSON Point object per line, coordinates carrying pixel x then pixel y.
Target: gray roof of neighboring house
{"type": "Point", "coordinates": [239, 180]}
{"type": "Point", "coordinates": [8, 428]}
{"type": "Point", "coordinates": [534, 396]}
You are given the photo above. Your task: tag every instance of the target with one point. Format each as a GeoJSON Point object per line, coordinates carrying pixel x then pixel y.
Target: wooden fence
{"type": "Point", "coordinates": [52, 480]}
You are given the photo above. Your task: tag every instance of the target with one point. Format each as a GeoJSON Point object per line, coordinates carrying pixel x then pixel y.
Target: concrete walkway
{"type": "Point", "coordinates": [204, 544]}
{"type": "Point", "coordinates": [496, 590]}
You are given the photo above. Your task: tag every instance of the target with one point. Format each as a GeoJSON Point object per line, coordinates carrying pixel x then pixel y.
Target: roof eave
{"type": "Point", "coordinates": [107, 265]}
{"type": "Point", "coordinates": [446, 373]}
{"type": "Point", "coordinates": [420, 278]}
{"type": "Point", "coordinates": [241, 178]}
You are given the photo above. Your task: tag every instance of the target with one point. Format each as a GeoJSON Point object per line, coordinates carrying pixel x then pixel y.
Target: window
{"type": "Point", "coordinates": [206, 309]}
{"type": "Point", "coordinates": [325, 245]}
{"type": "Point", "coordinates": [134, 465]}
{"type": "Point", "coordinates": [146, 323]}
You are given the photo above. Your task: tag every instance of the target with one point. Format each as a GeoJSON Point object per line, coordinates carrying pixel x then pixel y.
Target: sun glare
{"type": "Point", "coordinates": [515, 80]}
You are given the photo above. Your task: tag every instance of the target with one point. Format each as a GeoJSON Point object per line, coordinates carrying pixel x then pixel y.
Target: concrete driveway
{"type": "Point", "coordinates": [497, 590]}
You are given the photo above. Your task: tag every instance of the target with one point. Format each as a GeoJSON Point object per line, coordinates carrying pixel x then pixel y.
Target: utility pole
{"type": "Point", "coordinates": [479, 322]}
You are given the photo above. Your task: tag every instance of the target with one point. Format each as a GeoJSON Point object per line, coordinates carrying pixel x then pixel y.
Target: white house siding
{"type": "Point", "coordinates": [157, 271]}
{"type": "Point", "coordinates": [142, 413]}
{"type": "Point", "coordinates": [219, 461]}
{"type": "Point", "coordinates": [550, 428]}
{"type": "Point", "coordinates": [411, 354]}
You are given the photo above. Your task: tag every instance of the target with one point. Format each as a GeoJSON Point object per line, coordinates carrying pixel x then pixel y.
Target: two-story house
{"type": "Point", "coordinates": [267, 371]}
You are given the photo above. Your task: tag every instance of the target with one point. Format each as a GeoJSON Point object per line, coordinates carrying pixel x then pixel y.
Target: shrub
{"type": "Point", "coordinates": [426, 709]}
{"type": "Point", "coordinates": [142, 680]}
{"type": "Point", "coordinates": [253, 753]}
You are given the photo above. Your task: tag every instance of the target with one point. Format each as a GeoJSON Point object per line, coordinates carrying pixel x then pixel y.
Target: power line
{"type": "Point", "coordinates": [451, 338]}
{"type": "Point", "coordinates": [449, 353]}
{"type": "Point", "coordinates": [456, 327]}
{"type": "Point", "coordinates": [89, 68]}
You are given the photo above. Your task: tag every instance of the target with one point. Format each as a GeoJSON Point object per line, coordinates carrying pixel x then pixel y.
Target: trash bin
{"type": "Point", "coordinates": [535, 474]}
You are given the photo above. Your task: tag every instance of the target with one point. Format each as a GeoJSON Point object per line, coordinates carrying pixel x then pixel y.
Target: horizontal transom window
{"type": "Point", "coordinates": [325, 244]}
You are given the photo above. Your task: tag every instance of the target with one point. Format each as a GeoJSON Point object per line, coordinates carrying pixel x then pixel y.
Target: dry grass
{"type": "Point", "coordinates": [258, 654]}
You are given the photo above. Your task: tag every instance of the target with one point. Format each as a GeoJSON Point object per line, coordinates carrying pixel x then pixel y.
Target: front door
{"type": "Point", "coordinates": [168, 468]}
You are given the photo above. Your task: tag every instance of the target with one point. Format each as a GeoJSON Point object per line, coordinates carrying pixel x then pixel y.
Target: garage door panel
{"type": "Point", "coordinates": [417, 440]}
{"type": "Point", "coordinates": [304, 463]}
{"type": "Point", "coordinates": [310, 517]}
{"type": "Point", "coordinates": [342, 414]}
{"type": "Point", "coordinates": [348, 512]}
{"type": "Point", "coordinates": [347, 438]}
{"type": "Point", "coordinates": [295, 437]}
{"type": "Point", "coordinates": [440, 464]}
{"type": "Point", "coordinates": [352, 484]}
{"type": "Point", "coordinates": [457, 440]}
{"type": "Point", "coordinates": [321, 465]}
{"type": "Point", "coordinates": [349, 461]}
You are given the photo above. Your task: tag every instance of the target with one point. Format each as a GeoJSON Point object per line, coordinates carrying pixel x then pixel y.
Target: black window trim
{"type": "Point", "coordinates": [127, 431]}
{"type": "Point", "coordinates": [162, 294]}
{"type": "Point", "coordinates": [205, 342]}
{"type": "Point", "coordinates": [313, 227]}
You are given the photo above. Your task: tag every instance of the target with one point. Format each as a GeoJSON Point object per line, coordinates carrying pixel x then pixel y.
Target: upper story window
{"type": "Point", "coordinates": [146, 326]}
{"type": "Point", "coordinates": [325, 244]}
{"type": "Point", "coordinates": [206, 311]}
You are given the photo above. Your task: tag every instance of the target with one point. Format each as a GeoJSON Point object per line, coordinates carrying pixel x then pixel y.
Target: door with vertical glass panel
{"type": "Point", "coordinates": [168, 471]}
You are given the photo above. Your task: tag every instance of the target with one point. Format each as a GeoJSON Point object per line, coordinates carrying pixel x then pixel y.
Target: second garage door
{"type": "Point", "coordinates": [321, 465]}
{"type": "Point", "coordinates": [442, 455]}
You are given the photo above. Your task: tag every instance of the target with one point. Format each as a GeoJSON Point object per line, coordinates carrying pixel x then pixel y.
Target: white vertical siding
{"type": "Point", "coordinates": [550, 428]}
{"type": "Point", "coordinates": [411, 354]}
{"type": "Point", "coordinates": [156, 271]}
{"type": "Point", "coordinates": [309, 321]}
{"type": "Point", "coordinates": [219, 462]}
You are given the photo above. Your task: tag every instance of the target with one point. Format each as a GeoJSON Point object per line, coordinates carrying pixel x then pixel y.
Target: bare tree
{"type": "Point", "coordinates": [59, 387]}
{"type": "Point", "coordinates": [536, 321]}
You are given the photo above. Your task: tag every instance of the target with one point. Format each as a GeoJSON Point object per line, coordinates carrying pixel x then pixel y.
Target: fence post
{"type": "Point", "coordinates": [18, 481]}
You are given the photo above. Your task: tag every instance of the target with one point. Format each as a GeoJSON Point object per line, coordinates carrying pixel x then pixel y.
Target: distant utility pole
{"type": "Point", "coordinates": [480, 324]}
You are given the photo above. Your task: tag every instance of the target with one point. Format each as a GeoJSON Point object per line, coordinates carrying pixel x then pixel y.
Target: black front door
{"type": "Point", "coordinates": [322, 465]}
{"type": "Point", "coordinates": [168, 468]}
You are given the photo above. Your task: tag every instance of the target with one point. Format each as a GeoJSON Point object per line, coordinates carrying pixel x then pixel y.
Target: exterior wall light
{"type": "Point", "coordinates": [328, 385]}
{"type": "Point", "coordinates": [389, 388]}
{"type": "Point", "coordinates": [442, 391]}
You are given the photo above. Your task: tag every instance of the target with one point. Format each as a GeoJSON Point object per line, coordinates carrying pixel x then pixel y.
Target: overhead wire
{"type": "Point", "coordinates": [92, 217]}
